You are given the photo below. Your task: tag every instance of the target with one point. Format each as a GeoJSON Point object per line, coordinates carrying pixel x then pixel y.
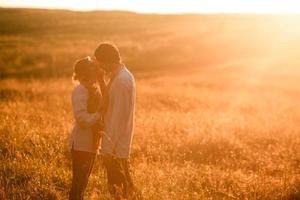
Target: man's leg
{"type": "Point", "coordinates": [118, 176]}
{"type": "Point", "coordinates": [129, 186]}
{"type": "Point", "coordinates": [115, 175]}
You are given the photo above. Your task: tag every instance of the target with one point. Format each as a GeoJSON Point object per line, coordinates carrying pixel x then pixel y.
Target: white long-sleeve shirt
{"type": "Point", "coordinates": [119, 118]}
{"type": "Point", "coordinates": [81, 138]}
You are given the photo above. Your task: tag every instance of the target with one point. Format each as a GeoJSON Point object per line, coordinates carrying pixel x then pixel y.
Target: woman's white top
{"type": "Point", "coordinates": [81, 138]}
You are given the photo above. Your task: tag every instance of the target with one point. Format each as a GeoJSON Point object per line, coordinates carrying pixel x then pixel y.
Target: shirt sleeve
{"type": "Point", "coordinates": [79, 105]}
{"type": "Point", "coordinates": [122, 100]}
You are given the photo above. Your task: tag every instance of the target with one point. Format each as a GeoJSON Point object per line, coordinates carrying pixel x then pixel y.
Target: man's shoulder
{"type": "Point", "coordinates": [125, 76]}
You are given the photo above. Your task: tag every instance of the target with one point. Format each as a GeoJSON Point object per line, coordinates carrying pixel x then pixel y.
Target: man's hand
{"type": "Point", "coordinates": [100, 74]}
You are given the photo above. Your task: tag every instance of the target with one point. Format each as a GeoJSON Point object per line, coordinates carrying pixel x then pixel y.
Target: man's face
{"type": "Point", "coordinates": [104, 66]}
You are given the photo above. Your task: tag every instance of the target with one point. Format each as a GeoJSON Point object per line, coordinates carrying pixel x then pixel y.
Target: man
{"type": "Point", "coordinates": [118, 119]}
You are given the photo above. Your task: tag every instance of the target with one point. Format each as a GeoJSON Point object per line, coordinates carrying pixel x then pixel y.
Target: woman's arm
{"type": "Point", "coordinates": [79, 104]}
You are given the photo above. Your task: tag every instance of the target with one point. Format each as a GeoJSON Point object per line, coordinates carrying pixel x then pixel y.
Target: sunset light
{"type": "Point", "coordinates": [166, 6]}
{"type": "Point", "coordinates": [150, 99]}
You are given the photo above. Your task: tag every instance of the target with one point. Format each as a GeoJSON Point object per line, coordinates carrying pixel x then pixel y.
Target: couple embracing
{"type": "Point", "coordinates": [104, 115]}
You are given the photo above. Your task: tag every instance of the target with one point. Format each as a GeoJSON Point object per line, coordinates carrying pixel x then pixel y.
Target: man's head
{"type": "Point", "coordinates": [108, 56]}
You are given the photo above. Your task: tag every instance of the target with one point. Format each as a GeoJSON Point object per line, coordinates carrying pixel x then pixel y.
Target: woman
{"type": "Point", "coordinates": [87, 107]}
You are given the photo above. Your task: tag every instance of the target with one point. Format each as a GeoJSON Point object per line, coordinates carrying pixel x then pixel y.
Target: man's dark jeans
{"type": "Point", "coordinates": [82, 164]}
{"type": "Point", "coordinates": [118, 175]}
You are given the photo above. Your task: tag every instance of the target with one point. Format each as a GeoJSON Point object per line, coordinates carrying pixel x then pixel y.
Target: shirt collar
{"type": "Point", "coordinates": [116, 71]}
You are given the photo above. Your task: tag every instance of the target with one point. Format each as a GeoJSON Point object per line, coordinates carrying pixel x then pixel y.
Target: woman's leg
{"type": "Point", "coordinates": [90, 160]}
{"type": "Point", "coordinates": [82, 163]}
{"type": "Point", "coordinates": [76, 174]}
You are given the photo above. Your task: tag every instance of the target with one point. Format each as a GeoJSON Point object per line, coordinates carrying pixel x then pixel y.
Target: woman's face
{"type": "Point", "coordinates": [90, 77]}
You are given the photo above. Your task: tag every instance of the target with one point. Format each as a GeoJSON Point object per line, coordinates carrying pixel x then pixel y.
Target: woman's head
{"type": "Point", "coordinates": [85, 71]}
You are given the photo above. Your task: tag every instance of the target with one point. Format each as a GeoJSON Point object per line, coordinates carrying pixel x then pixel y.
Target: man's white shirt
{"type": "Point", "coordinates": [119, 118]}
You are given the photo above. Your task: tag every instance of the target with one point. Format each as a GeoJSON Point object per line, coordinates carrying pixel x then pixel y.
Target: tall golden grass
{"type": "Point", "coordinates": [217, 103]}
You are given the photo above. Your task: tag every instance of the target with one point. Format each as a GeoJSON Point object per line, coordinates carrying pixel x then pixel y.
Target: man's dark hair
{"type": "Point", "coordinates": [108, 53]}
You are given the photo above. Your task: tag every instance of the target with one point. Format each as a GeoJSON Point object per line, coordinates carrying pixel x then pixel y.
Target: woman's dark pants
{"type": "Point", "coordinates": [82, 164]}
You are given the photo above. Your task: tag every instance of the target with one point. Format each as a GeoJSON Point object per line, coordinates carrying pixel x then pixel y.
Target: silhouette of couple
{"type": "Point", "coordinates": [104, 115]}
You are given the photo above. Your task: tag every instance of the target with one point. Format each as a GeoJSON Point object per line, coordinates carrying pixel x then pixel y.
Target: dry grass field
{"type": "Point", "coordinates": [217, 103]}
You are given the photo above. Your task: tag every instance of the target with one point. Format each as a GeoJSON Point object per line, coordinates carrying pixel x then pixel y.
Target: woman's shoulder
{"type": "Point", "coordinates": [79, 90]}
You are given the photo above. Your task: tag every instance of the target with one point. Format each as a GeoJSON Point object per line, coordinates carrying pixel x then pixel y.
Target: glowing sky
{"type": "Point", "coordinates": [165, 6]}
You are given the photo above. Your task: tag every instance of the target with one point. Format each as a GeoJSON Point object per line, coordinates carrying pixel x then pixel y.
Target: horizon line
{"type": "Point", "coordinates": [157, 13]}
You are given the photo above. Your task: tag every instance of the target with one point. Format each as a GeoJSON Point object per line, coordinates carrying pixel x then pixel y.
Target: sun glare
{"type": "Point", "coordinates": [164, 6]}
